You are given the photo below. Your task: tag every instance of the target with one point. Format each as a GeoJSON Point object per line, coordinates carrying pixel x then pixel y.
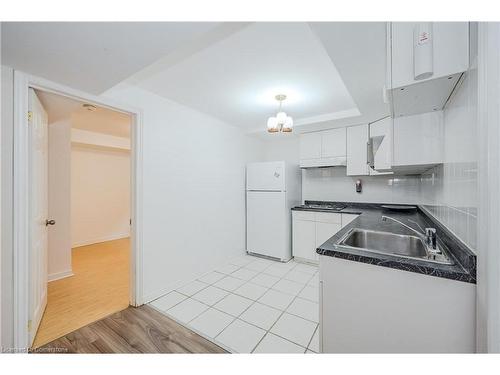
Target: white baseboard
{"type": "Point", "coordinates": [92, 241]}
{"type": "Point", "coordinates": [59, 275]}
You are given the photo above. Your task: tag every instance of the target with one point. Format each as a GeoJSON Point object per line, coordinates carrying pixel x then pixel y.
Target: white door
{"type": "Point", "coordinates": [38, 206]}
{"type": "Point", "coordinates": [268, 225]}
{"type": "Point", "coordinates": [267, 176]}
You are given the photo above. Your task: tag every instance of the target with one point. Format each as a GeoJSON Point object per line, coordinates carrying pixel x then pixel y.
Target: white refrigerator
{"type": "Point", "coordinates": [273, 188]}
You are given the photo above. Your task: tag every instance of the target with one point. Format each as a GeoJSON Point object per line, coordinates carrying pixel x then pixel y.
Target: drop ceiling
{"type": "Point", "coordinates": [237, 78]}
{"type": "Point", "coordinates": [332, 72]}
{"type": "Point", "coordinates": [92, 56]}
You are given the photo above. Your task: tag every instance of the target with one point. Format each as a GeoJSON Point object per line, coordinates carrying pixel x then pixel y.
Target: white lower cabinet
{"type": "Point", "coordinates": [304, 237]}
{"type": "Point", "coordinates": [312, 229]}
{"type": "Point", "coordinates": [324, 231]}
{"type": "Point", "coordinates": [367, 308]}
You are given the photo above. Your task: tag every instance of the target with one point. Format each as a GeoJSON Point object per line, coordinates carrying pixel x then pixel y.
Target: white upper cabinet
{"type": "Point", "coordinates": [357, 150]}
{"type": "Point", "coordinates": [323, 149]}
{"type": "Point", "coordinates": [310, 146]}
{"type": "Point", "coordinates": [333, 143]}
{"type": "Point", "coordinates": [407, 144]}
{"type": "Point", "coordinates": [418, 142]}
{"type": "Point", "coordinates": [381, 144]}
{"type": "Point", "coordinates": [425, 61]}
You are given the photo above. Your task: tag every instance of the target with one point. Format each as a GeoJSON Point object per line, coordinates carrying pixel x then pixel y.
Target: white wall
{"type": "Point", "coordinates": [194, 190]}
{"type": "Point", "coordinates": [95, 207]}
{"type": "Point", "coordinates": [1, 105]}
{"type": "Point", "coordinates": [281, 147]}
{"type": "Point", "coordinates": [86, 137]}
{"type": "Point", "coordinates": [450, 191]}
{"type": "Point", "coordinates": [59, 165]}
{"type": "Point", "coordinates": [7, 79]}
{"type": "Point", "coordinates": [100, 194]}
{"type": "Point", "coordinates": [488, 134]}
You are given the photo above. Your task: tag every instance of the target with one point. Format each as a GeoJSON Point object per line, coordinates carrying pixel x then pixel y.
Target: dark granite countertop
{"type": "Point", "coordinates": [370, 217]}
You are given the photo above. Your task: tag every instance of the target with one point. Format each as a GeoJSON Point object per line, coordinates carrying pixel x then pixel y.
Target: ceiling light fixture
{"type": "Point", "coordinates": [281, 122]}
{"type": "Point", "coordinates": [89, 107]}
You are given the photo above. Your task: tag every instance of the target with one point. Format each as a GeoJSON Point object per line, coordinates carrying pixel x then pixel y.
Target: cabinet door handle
{"type": "Point", "coordinates": [369, 154]}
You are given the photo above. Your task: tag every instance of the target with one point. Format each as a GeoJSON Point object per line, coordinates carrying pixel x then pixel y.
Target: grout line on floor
{"type": "Point", "coordinates": [310, 341]}
{"type": "Point", "coordinates": [282, 313]}
{"type": "Point", "coordinates": [253, 302]}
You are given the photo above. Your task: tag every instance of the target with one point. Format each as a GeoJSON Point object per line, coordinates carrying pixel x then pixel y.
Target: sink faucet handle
{"type": "Point", "coordinates": [431, 236]}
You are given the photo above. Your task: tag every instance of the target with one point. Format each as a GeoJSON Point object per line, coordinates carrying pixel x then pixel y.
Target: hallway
{"type": "Point", "coordinates": [98, 288]}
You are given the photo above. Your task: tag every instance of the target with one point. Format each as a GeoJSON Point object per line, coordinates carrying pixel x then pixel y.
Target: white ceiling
{"type": "Point", "coordinates": [102, 120]}
{"type": "Point", "coordinates": [93, 56]}
{"type": "Point", "coordinates": [236, 79]}
{"type": "Point", "coordinates": [358, 50]}
{"type": "Point", "coordinates": [333, 72]}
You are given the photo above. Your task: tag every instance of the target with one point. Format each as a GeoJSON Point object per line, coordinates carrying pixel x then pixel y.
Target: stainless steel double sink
{"type": "Point", "coordinates": [400, 245]}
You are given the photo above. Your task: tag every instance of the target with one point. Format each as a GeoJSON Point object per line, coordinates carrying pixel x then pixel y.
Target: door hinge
{"type": "Point", "coordinates": [30, 116]}
{"type": "Point", "coordinates": [29, 325]}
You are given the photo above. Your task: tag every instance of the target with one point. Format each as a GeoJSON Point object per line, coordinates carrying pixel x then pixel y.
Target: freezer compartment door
{"type": "Point", "coordinates": [268, 176]}
{"type": "Point", "coordinates": [268, 225]}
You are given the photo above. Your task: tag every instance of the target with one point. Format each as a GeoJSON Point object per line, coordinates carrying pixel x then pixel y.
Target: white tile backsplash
{"type": "Point", "coordinates": [450, 191]}
{"type": "Point", "coordinates": [332, 184]}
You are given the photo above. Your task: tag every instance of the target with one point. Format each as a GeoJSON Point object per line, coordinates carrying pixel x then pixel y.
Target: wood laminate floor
{"type": "Point", "coordinates": [133, 330]}
{"type": "Point", "coordinates": [98, 288]}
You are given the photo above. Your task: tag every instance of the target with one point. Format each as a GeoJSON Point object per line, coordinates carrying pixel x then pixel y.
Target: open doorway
{"type": "Point", "coordinates": [86, 266]}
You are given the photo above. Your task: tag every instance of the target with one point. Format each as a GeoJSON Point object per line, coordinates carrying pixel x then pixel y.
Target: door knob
{"type": "Point", "coordinates": [50, 222]}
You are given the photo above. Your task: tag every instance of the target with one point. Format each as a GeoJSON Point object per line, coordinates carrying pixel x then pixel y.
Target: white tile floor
{"type": "Point", "coordinates": [251, 305]}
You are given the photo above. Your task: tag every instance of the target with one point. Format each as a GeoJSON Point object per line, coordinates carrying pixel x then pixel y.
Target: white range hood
{"type": "Point", "coordinates": [338, 161]}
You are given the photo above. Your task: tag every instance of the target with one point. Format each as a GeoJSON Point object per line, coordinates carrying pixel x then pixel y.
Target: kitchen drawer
{"type": "Point", "coordinates": [327, 217]}
{"type": "Point", "coordinates": [304, 215]}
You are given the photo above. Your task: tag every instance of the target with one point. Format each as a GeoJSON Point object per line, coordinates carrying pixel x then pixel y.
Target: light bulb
{"type": "Point", "coordinates": [281, 117]}
{"type": "Point", "coordinates": [288, 125]}
{"type": "Point", "coordinates": [272, 125]}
